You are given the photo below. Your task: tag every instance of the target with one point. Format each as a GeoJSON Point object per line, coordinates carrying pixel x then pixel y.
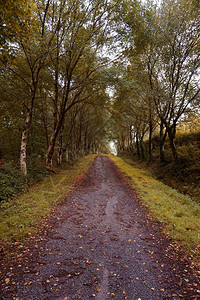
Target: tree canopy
{"type": "Point", "coordinates": [77, 74]}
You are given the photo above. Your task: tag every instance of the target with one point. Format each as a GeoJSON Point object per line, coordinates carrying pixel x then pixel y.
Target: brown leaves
{"type": "Point", "coordinates": [7, 280]}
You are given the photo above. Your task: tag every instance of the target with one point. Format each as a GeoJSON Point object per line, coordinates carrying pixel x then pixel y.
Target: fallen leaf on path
{"type": "Point", "coordinates": [124, 293]}
{"type": "Point", "coordinates": [98, 289]}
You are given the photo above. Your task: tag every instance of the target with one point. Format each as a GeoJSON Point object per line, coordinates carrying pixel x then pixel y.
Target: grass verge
{"type": "Point", "coordinates": [19, 216]}
{"type": "Point", "coordinates": [180, 214]}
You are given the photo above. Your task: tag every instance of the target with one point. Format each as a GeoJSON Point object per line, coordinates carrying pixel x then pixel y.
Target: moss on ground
{"type": "Point", "coordinates": [20, 216]}
{"type": "Point", "coordinates": [180, 213]}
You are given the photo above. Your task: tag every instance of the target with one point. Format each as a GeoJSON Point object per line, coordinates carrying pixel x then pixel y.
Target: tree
{"type": "Point", "coordinates": [73, 69]}
{"type": "Point", "coordinates": [178, 67]}
{"type": "Point", "coordinates": [30, 52]}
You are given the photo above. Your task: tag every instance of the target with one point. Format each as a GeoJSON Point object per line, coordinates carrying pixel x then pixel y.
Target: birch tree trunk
{"type": "Point", "coordinates": [24, 140]}
{"type": "Point", "coordinates": [67, 154]}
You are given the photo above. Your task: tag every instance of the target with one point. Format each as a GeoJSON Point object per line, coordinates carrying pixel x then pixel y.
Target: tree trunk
{"type": "Point", "coordinates": [52, 143]}
{"type": "Point", "coordinates": [24, 140]}
{"type": "Point", "coordinates": [162, 142]}
{"type": "Point", "coordinates": [171, 134]}
{"type": "Point", "coordinates": [137, 144]}
{"type": "Point", "coordinates": [150, 140]}
{"type": "Point", "coordinates": [60, 146]}
{"type": "Point", "coordinates": [67, 154]}
{"type": "Point", "coordinates": [142, 147]}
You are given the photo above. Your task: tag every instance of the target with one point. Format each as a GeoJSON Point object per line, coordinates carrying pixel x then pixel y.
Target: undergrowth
{"type": "Point", "coordinates": [13, 181]}
{"type": "Point", "coordinates": [179, 212]}
{"type": "Point", "coordinates": [19, 216]}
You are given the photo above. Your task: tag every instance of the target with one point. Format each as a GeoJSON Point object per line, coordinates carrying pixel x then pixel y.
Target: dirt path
{"type": "Point", "coordinates": [101, 245]}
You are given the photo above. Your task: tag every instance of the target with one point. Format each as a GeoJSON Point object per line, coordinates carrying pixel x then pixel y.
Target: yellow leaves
{"type": "Point", "coordinates": [110, 293]}
{"type": "Point", "coordinates": [58, 263]}
{"type": "Point", "coordinates": [162, 290]}
{"type": "Point", "coordinates": [28, 283]}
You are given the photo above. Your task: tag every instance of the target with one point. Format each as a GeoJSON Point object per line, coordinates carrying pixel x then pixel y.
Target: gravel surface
{"type": "Point", "coordinates": [101, 244]}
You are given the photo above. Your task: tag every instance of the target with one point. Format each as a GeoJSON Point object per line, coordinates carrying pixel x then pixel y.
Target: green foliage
{"type": "Point", "coordinates": [36, 170]}
{"type": "Point", "coordinates": [12, 181]}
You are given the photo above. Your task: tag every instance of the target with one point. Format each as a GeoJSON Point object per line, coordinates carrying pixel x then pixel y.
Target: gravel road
{"type": "Point", "coordinates": [101, 244]}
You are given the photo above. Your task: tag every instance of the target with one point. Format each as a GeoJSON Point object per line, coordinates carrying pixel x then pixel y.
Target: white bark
{"type": "Point", "coordinates": [23, 165]}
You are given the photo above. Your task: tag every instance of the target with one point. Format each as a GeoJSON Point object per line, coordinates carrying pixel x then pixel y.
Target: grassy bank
{"type": "Point", "coordinates": [19, 216]}
{"type": "Point", "coordinates": [184, 175]}
{"type": "Point", "coordinates": [179, 212]}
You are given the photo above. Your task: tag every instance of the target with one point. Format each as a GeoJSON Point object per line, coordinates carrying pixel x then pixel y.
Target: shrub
{"type": "Point", "coordinates": [36, 170]}
{"type": "Point", "coordinates": [12, 181]}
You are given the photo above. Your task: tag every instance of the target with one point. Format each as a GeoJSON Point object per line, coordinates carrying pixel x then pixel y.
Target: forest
{"type": "Point", "coordinates": [77, 75]}
{"type": "Point", "coordinates": [100, 149]}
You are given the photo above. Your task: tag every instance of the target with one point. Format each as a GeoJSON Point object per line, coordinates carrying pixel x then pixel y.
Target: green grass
{"type": "Point", "coordinates": [20, 216]}
{"type": "Point", "coordinates": [180, 214]}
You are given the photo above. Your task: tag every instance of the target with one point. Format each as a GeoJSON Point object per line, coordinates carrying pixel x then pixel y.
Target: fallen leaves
{"type": "Point", "coordinates": [28, 283]}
